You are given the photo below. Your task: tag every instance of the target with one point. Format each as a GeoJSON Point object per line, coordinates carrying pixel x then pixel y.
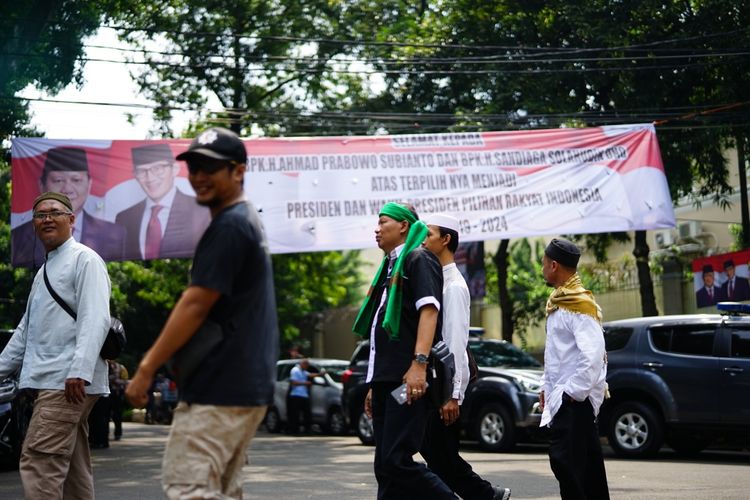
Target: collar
{"type": "Point", "coordinates": [449, 266]}
{"type": "Point", "coordinates": [67, 243]}
{"type": "Point", "coordinates": [396, 252]}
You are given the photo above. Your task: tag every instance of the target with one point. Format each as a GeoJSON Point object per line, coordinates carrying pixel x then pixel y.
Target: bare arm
{"type": "Point", "coordinates": [416, 376]}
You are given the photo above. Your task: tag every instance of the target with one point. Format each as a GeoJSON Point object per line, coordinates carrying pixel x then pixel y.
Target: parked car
{"type": "Point", "coordinates": [325, 395]}
{"type": "Point", "coordinates": [15, 412]}
{"type": "Point", "coordinates": [680, 379]}
{"type": "Point", "coordinates": [500, 408]}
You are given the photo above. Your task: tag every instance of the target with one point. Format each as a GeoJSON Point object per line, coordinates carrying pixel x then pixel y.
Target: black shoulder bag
{"type": "Point", "coordinates": [442, 367]}
{"type": "Point", "coordinates": [115, 341]}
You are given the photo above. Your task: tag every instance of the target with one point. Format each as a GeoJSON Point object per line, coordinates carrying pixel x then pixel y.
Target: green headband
{"type": "Point", "coordinates": [397, 211]}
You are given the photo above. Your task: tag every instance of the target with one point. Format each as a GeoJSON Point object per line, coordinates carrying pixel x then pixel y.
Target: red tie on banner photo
{"type": "Point", "coordinates": [153, 233]}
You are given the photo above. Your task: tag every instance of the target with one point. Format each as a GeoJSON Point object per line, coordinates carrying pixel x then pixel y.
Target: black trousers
{"type": "Point", "coordinates": [99, 423]}
{"type": "Point", "coordinates": [296, 405]}
{"type": "Point", "coordinates": [575, 453]}
{"type": "Point", "coordinates": [399, 432]}
{"type": "Point", "coordinates": [117, 407]}
{"type": "Point", "coordinates": [440, 451]}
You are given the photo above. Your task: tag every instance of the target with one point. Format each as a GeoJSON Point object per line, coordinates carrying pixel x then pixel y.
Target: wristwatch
{"type": "Point", "coordinates": [420, 358]}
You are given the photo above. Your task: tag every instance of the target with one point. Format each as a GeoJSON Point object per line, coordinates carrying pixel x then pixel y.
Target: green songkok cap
{"type": "Point", "coordinates": [51, 195]}
{"type": "Point", "coordinates": [414, 238]}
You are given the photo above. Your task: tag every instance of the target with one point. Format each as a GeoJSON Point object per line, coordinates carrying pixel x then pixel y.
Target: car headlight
{"type": "Point", "coordinates": [529, 385]}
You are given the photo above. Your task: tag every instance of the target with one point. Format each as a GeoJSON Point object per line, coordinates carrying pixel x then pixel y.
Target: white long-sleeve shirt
{"type": "Point", "coordinates": [456, 316]}
{"type": "Point", "coordinates": [574, 362]}
{"type": "Point", "coordinates": [48, 345]}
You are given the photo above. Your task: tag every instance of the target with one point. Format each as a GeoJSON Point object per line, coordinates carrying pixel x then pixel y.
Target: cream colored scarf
{"type": "Point", "coordinates": [572, 297]}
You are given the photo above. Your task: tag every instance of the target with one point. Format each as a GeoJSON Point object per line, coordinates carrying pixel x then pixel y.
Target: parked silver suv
{"type": "Point", "coordinates": [680, 379]}
{"type": "Point", "coordinates": [325, 395]}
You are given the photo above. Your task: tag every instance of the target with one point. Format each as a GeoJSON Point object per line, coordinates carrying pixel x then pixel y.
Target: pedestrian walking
{"type": "Point", "coordinates": [575, 372]}
{"type": "Point", "coordinates": [59, 356]}
{"type": "Point", "coordinates": [401, 316]}
{"type": "Point", "coordinates": [225, 398]}
{"type": "Point", "coordinates": [441, 444]}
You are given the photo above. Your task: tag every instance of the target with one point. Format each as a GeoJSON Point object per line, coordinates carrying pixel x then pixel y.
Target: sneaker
{"type": "Point", "coordinates": [501, 493]}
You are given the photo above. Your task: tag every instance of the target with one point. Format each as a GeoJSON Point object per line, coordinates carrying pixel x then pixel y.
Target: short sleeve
{"type": "Point", "coordinates": [425, 278]}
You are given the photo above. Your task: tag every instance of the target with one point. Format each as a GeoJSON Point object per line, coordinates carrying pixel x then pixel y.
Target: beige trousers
{"type": "Point", "coordinates": [207, 449]}
{"type": "Point", "coordinates": [55, 459]}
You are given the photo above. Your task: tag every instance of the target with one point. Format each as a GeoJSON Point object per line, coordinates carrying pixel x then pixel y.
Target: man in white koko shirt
{"type": "Point", "coordinates": [575, 370]}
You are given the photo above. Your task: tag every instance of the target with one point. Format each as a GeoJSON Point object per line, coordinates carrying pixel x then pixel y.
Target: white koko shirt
{"type": "Point", "coordinates": [456, 314]}
{"type": "Point", "coordinates": [574, 362]}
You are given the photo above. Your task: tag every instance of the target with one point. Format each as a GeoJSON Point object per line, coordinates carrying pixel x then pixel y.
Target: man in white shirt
{"type": "Point", "coordinates": [59, 356]}
{"type": "Point", "coordinates": [441, 443]}
{"type": "Point", "coordinates": [575, 371]}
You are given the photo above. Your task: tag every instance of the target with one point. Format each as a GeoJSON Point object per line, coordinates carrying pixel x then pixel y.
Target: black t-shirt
{"type": "Point", "coordinates": [232, 257]}
{"type": "Point", "coordinates": [422, 278]}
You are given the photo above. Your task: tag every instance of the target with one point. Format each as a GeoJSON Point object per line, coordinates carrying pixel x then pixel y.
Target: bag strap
{"type": "Point", "coordinates": [57, 298]}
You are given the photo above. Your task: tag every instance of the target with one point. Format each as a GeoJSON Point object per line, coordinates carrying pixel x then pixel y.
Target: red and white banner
{"type": "Point", "coordinates": [324, 193]}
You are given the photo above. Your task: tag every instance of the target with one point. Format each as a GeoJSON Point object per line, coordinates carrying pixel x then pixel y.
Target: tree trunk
{"type": "Point", "coordinates": [740, 139]}
{"type": "Point", "coordinates": [648, 299]}
{"type": "Point", "coordinates": [506, 308]}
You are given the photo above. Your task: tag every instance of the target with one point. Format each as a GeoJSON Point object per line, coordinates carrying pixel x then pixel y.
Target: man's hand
{"type": "Point", "coordinates": [450, 411]}
{"type": "Point", "coordinates": [368, 404]}
{"type": "Point", "coordinates": [75, 390]}
{"type": "Point", "coordinates": [541, 400]}
{"type": "Point", "coordinates": [416, 381]}
{"type": "Point", "coordinates": [137, 390]}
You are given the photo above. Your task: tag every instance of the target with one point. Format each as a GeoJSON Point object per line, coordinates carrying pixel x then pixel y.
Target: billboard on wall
{"type": "Point", "coordinates": [720, 278]}
{"type": "Point", "coordinates": [324, 193]}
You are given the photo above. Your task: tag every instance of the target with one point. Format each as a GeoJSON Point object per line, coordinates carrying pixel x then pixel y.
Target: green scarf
{"type": "Point", "coordinates": [573, 297]}
{"type": "Point", "coordinates": [414, 238]}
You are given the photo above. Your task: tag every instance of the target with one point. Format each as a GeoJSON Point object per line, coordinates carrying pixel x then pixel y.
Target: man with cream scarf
{"type": "Point", "coordinates": [401, 316]}
{"type": "Point", "coordinates": [574, 383]}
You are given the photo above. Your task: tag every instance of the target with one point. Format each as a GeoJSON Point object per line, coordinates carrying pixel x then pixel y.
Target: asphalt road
{"type": "Point", "coordinates": [333, 468]}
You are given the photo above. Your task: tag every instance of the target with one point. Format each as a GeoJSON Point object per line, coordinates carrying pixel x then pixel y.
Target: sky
{"type": "Point", "coordinates": [104, 82]}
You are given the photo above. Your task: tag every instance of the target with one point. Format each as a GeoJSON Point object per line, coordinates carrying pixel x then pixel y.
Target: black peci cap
{"type": "Point", "coordinates": [728, 263]}
{"type": "Point", "coordinates": [564, 252]}
{"type": "Point", "coordinates": [217, 143]}
{"type": "Point", "coordinates": [63, 159]}
{"type": "Point", "coordinates": [708, 268]}
{"type": "Point", "coordinates": [151, 153]}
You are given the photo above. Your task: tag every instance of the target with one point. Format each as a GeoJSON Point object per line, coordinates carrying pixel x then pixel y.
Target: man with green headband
{"type": "Point", "coordinates": [401, 316]}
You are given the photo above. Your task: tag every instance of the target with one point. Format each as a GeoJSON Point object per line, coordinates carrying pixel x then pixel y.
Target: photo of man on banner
{"type": "Point", "coordinates": [720, 278]}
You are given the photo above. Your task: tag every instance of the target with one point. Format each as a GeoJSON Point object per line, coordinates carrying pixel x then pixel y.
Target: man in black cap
{"type": "Point", "coordinates": [167, 223]}
{"type": "Point", "coordinates": [709, 294]}
{"type": "Point", "coordinates": [735, 288]}
{"type": "Point", "coordinates": [574, 381]}
{"type": "Point", "coordinates": [66, 171]}
{"type": "Point", "coordinates": [231, 283]}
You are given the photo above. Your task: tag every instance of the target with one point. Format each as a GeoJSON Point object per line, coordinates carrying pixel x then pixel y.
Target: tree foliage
{"type": "Point", "coordinates": [41, 43]}
{"type": "Point", "coordinates": [255, 58]}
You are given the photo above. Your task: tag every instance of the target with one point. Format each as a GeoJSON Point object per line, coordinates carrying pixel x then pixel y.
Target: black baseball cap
{"type": "Point", "coordinates": [216, 143]}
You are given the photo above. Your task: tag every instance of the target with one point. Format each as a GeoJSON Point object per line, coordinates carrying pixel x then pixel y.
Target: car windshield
{"type": "Point", "coordinates": [493, 354]}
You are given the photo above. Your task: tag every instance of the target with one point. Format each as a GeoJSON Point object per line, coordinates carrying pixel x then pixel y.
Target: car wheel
{"type": "Point", "coordinates": [494, 429]}
{"type": "Point", "coordinates": [336, 423]}
{"type": "Point", "coordinates": [364, 430]}
{"type": "Point", "coordinates": [634, 430]}
{"type": "Point", "coordinates": [273, 420]}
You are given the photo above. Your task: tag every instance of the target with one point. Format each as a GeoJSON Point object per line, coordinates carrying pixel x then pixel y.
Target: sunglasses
{"type": "Point", "coordinates": [209, 167]}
